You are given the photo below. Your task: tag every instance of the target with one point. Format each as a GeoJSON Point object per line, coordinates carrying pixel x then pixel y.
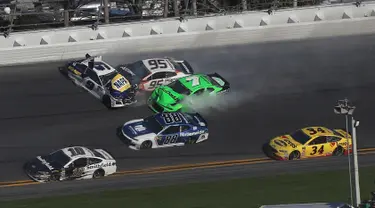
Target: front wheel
{"type": "Point", "coordinates": [107, 101]}
{"type": "Point", "coordinates": [146, 145]}
{"type": "Point", "coordinates": [295, 155]}
{"type": "Point", "coordinates": [98, 174]}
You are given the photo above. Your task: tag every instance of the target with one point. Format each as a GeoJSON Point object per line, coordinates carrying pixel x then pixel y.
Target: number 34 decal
{"type": "Point", "coordinates": [316, 150]}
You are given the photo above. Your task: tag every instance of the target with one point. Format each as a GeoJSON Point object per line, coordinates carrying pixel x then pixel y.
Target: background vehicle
{"type": "Point", "coordinates": [71, 163]}
{"type": "Point", "coordinates": [309, 142]}
{"type": "Point", "coordinates": [165, 130]}
{"type": "Point", "coordinates": [150, 73]}
{"type": "Point", "coordinates": [102, 81]}
{"type": "Point", "coordinates": [171, 98]}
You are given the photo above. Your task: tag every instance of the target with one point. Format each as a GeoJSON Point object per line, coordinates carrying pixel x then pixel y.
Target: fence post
{"type": "Point", "coordinates": [106, 11]}
{"type": "Point", "coordinates": [194, 7]}
{"type": "Point", "coordinates": [166, 4]}
{"type": "Point", "coordinates": [175, 8]}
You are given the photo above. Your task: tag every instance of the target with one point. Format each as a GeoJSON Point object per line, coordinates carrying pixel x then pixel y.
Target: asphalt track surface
{"type": "Point", "coordinates": [276, 88]}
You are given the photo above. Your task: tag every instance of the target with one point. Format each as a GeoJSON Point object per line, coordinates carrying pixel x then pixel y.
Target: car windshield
{"type": "Point", "coordinates": [152, 124]}
{"type": "Point", "coordinates": [178, 87]}
{"type": "Point", "coordinates": [105, 79]}
{"type": "Point", "coordinates": [139, 69]}
{"type": "Point", "coordinates": [190, 118]}
{"type": "Point", "coordinates": [300, 136]}
{"type": "Point", "coordinates": [58, 157]}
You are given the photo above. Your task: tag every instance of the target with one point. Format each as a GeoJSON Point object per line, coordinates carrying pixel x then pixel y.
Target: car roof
{"type": "Point", "coordinates": [315, 131]}
{"type": "Point", "coordinates": [203, 81]}
{"type": "Point", "coordinates": [100, 67]}
{"type": "Point", "coordinates": [170, 68]}
{"type": "Point", "coordinates": [86, 152]}
{"type": "Point", "coordinates": [160, 117]}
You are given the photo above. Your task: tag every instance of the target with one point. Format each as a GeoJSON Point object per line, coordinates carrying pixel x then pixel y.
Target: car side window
{"type": "Point", "coordinates": [170, 74]}
{"type": "Point", "coordinates": [159, 75]}
{"type": "Point", "coordinates": [210, 89]}
{"type": "Point", "coordinates": [93, 76]}
{"type": "Point", "coordinates": [184, 128]}
{"type": "Point", "coordinates": [333, 139]}
{"type": "Point", "coordinates": [319, 140]}
{"type": "Point", "coordinates": [93, 161]}
{"type": "Point", "coordinates": [199, 92]}
{"type": "Point", "coordinates": [172, 130]}
{"type": "Point", "coordinates": [81, 162]}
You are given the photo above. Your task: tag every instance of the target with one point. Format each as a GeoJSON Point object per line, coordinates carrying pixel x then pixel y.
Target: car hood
{"type": "Point", "coordinates": [40, 164]}
{"type": "Point", "coordinates": [284, 142]}
{"type": "Point", "coordinates": [136, 128]}
{"type": "Point", "coordinates": [166, 96]}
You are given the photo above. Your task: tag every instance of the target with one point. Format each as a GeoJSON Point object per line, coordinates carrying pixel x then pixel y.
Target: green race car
{"type": "Point", "coordinates": [170, 98]}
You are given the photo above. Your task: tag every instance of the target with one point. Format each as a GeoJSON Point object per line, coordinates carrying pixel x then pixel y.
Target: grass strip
{"type": "Point", "coordinates": [328, 186]}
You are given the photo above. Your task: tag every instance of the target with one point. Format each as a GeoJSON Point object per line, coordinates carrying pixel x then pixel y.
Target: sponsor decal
{"type": "Point", "coordinates": [332, 144]}
{"type": "Point", "coordinates": [44, 162]}
{"type": "Point", "coordinates": [192, 133]}
{"type": "Point", "coordinates": [171, 94]}
{"type": "Point", "coordinates": [120, 83]}
{"type": "Point", "coordinates": [290, 143]}
{"type": "Point", "coordinates": [139, 128]}
{"type": "Point", "coordinates": [102, 165]}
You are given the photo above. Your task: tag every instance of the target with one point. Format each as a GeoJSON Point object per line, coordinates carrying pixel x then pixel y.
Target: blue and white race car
{"type": "Point", "coordinates": [165, 130]}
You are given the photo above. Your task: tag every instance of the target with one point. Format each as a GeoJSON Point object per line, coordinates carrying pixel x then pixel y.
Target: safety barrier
{"type": "Point", "coordinates": [204, 32]}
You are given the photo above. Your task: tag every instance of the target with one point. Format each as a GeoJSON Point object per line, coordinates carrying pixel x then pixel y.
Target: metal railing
{"type": "Point", "coordinates": [25, 15]}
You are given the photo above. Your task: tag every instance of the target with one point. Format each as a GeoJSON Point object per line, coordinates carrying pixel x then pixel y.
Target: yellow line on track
{"type": "Point", "coordinates": [175, 168]}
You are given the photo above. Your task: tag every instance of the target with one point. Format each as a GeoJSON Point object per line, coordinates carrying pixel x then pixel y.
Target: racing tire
{"type": "Point", "coordinates": [98, 174]}
{"type": "Point", "coordinates": [339, 151]}
{"type": "Point", "coordinates": [146, 145]}
{"type": "Point", "coordinates": [190, 140]}
{"type": "Point", "coordinates": [107, 101]}
{"type": "Point", "coordinates": [295, 155]}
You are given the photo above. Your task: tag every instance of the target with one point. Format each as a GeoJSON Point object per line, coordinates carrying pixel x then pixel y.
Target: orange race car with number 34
{"type": "Point", "coordinates": [309, 142]}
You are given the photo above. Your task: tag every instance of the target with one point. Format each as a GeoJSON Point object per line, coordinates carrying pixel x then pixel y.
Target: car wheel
{"type": "Point", "coordinates": [295, 155]}
{"type": "Point", "coordinates": [98, 174]}
{"type": "Point", "coordinates": [146, 145]}
{"type": "Point", "coordinates": [338, 151]}
{"type": "Point", "coordinates": [190, 140]}
{"type": "Point", "coordinates": [107, 101]}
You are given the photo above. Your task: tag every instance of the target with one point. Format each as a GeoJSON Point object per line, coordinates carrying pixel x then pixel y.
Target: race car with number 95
{"type": "Point", "coordinates": [165, 130]}
{"type": "Point", "coordinates": [309, 142]}
{"type": "Point", "coordinates": [151, 73]}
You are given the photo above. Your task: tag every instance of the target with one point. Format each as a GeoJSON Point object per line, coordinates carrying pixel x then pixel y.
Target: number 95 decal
{"type": "Point", "coordinates": [155, 83]}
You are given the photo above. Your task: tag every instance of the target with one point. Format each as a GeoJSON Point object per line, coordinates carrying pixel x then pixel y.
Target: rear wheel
{"type": "Point", "coordinates": [146, 145]}
{"type": "Point", "coordinates": [338, 151]}
{"type": "Point", "coordinates": [98, 174]}
{"type": "Point", "coordinates": [295, 155]}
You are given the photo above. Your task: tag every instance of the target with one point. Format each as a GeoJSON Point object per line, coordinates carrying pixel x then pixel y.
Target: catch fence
{"type": "Point", "coordinates": [24, 15]}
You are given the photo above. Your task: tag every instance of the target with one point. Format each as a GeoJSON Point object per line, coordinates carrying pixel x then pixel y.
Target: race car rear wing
{"type": "Point", "coordinates": [219, 80]}
{"type": "Point", "coordinates": [183, 65]}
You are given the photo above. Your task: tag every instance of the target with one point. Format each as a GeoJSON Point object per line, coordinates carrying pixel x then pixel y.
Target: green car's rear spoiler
{"type": "Point", "coordinates": [220, 80]}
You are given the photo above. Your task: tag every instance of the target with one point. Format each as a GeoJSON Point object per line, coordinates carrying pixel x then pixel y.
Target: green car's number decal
{"type": "Point", "coordinates": [171, 118]}
{"type": "Point", "coordinates": [194, 80]}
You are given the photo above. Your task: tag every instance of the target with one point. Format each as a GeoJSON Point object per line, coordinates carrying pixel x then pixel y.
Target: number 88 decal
{"type": "Point", "coordinates": [171, 118]}
{"type": "Point", "coordinates": [170, 139]}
